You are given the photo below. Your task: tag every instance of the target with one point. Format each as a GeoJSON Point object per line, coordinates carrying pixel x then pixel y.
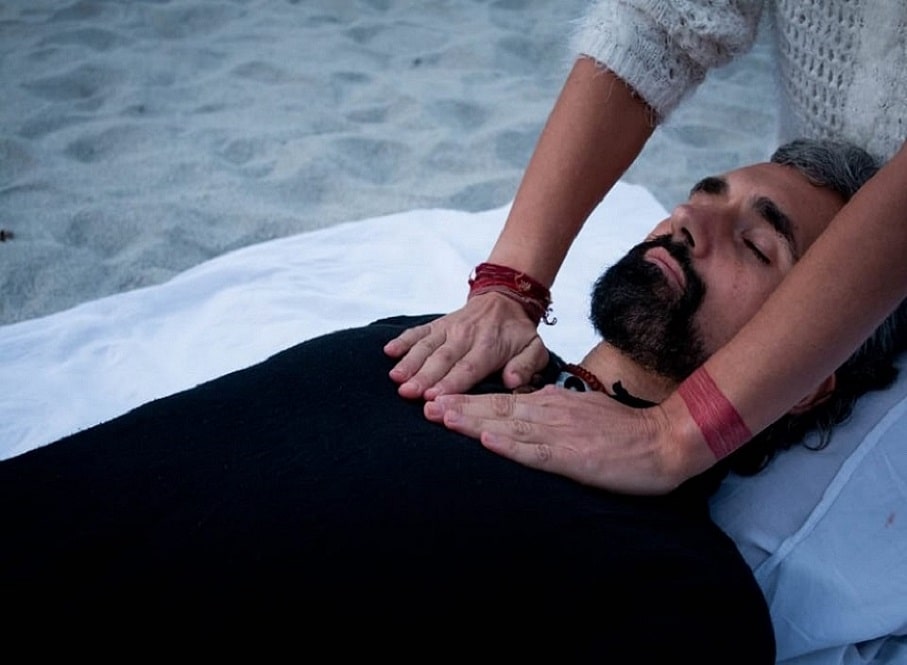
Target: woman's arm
{"type": "Point", "coordinates": [842, 288]}
{"type": "Point", "coordinates": [838, 293]}
{"type": "Point", "coordinates": [597, 128]}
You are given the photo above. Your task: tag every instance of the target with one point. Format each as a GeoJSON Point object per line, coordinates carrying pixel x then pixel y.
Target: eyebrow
{"type": "Point", "coordinates": [710, 185]}
{"type": "Point", "coordinates": [764, 206]}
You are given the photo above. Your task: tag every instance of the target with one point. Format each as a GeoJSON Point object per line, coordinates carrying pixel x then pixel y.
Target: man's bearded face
{"type": "Point", "coordinates": [635, 309]}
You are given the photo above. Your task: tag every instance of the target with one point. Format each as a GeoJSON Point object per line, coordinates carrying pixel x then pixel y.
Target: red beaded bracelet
{"type": "Point", "coordinates": [531, 294]}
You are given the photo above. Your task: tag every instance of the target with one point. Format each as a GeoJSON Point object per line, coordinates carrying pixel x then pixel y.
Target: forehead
{"type": "Point", "coordinates": [809, 207]}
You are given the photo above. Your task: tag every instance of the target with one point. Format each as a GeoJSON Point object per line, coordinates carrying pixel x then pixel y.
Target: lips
{"type": "Point", "coordinates": [670, 268]}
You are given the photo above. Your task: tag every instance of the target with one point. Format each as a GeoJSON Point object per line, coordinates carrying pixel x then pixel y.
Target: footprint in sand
{"type": "Point", "coordinates": [82, 83]}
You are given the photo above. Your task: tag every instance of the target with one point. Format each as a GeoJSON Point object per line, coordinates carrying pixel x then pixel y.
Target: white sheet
{"type": "Point", "coordinates": [830, 554]}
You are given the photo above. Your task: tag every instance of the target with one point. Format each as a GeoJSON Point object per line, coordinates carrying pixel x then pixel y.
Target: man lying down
{"type": "Point", "coordinates": [303, 502]}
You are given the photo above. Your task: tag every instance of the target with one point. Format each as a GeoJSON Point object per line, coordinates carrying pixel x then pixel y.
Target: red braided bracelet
{"type": "Point", "coordinates": [717, 419]}
{"type": "Point", "coordinates": [531, 294]}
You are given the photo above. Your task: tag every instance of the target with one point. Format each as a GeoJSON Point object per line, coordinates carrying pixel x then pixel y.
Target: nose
{"type": "Point", "coordinates": [699, 227]}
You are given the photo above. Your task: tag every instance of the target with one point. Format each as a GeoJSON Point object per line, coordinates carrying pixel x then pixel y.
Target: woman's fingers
{"type": "Point", "coordinates": [456, 351]}
{"type": "Point", "coordinates": [588, 437]}
{"type": "Point", "coordinates": [520, 369]}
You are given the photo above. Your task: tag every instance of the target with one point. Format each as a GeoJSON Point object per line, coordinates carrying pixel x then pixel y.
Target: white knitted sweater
{"type": "Point", "coordinates": [842, 63]}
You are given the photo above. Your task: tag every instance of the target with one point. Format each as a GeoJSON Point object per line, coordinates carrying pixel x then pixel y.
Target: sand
{"type": "Point", "coordinates": [139, 139]}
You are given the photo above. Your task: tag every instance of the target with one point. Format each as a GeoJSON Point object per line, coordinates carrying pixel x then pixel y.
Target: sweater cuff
{"type": "Point", "coordinates": [663, 50]}
{"type": "Point", "coordinates": [618, 37]}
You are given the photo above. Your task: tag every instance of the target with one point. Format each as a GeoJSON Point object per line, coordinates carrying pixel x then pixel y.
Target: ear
{"type": "Point", "coordinates": [815, 397]}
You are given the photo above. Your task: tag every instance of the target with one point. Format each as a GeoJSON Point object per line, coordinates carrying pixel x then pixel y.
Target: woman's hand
{"type": "Point", "coordinates": [588, 437]}
{"type": "Point", "coordinates": [453, 353]}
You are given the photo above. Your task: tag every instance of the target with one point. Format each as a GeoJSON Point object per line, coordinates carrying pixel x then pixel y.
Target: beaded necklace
{"type": "Point", "coordinates": [587, 377]}
{"type": "Point", "coordinates": [577, 377]}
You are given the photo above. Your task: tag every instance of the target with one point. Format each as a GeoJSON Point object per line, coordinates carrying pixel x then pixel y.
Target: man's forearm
{"type": "Point", "coordinates": [595, 131]}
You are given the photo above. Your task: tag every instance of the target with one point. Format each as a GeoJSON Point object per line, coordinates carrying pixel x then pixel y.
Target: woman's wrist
{"type": "Point", "coordinates": [718, 421]}
{"type": "Point", "coordinates": [682, 449]}
{"type": "Point", "coordinates": [532, 295]}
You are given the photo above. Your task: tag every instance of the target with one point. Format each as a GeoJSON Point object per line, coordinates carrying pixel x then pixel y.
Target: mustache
{"type": "Point", "coordinates": [679, 251]}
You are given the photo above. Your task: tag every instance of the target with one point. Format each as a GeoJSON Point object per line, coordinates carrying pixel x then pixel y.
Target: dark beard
{"type": "Point", "coordinates": [635, 309]}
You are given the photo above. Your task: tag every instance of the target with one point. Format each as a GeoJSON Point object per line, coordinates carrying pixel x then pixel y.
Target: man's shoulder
{"type": "Point", "coordinates": [404, 321]}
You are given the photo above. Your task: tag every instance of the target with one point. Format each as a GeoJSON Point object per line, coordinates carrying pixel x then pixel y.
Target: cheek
{"type": "Point", "coordinates": [663, 229]}
{"type": "Point", "coordinates": [728, 305]}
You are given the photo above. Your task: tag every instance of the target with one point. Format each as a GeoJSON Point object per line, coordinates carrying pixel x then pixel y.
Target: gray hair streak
{"type": "Point", "coordinates": [839, 166]}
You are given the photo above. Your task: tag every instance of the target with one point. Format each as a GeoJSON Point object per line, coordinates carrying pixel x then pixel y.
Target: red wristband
{"type": "Point", "coordinates": [531, 294]}
{"type": "Point", "coordinates": [717, 419]}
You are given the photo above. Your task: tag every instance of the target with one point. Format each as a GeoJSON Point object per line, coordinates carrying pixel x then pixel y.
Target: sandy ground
{"type": "Point", "coordinates": [138, 139]}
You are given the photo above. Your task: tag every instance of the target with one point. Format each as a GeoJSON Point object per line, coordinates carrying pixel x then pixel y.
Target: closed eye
{"type": "Point", "coordinates": [757, 252]}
